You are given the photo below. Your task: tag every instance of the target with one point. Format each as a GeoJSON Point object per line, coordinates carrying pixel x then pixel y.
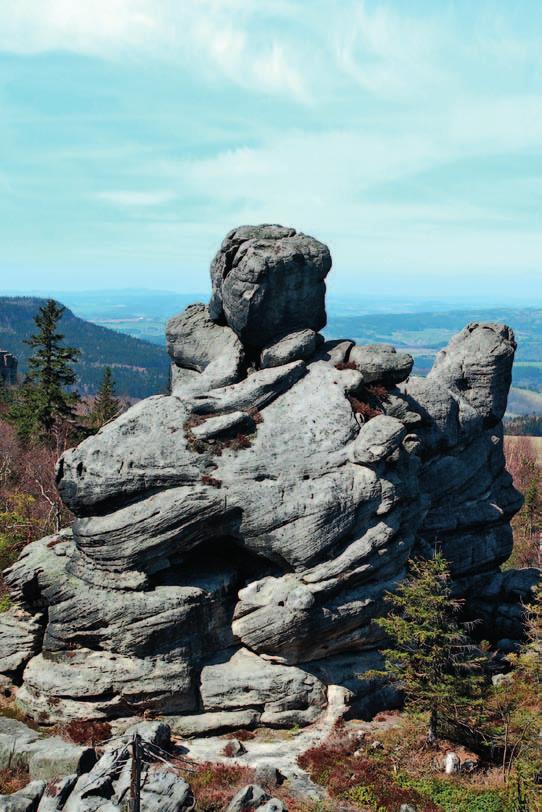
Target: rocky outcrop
{"type": "Point", "coordinates": [8, 368]}
{"type": "Point", "coordinates": [234, 540]}
{"type": "Point", "coordinates": [43, 757]}
{"type": "Point", "coordinates": [71, 778]}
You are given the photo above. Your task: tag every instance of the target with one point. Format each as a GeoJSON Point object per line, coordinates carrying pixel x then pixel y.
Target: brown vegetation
{"type": "Point", "coordinates": [211, 480]}
{"type": "Point", "coordinates": [343, 766]}
{"type": "Point", "coordinates": [378, 391]}
{"type": "Point", "coordinates": [214, 785]}
{"type": "Point", "coordinates": [12, 780]}
{"type": "Point", "coordinates": [30, 506]}
{"type": "Point", "coordinates": [366, 411]}
{"type": "Point", "coordinates": [84, 731]}
{"type": "Point", "coordinates": [255, 414]}
{"type": "Point", "coordinates": [523, 464]}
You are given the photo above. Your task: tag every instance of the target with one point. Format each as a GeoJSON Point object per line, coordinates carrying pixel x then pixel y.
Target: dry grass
{"type": "Point", "coordinates": [405, 747]}
{"type": "Point", "coordinates": [243, 735]}
{"type": "Point", "coordinates": [402, 770]}
{"type": "Point", "coordinates": [366, 411]}
{"type": "Point", "coordinates": [211, 481]}
{"type": "Point", "coordinates": [9, 710]}
{"type": "Point", "coordinates": [533, 445]}
{"type": "Point", "coordinates": [214, 785]}
{"type": "Point", "coordinates": [357, 779]}
{"type": "Point", "coordinates": [256, 415]}
{"type": "Point", "coordinates": [88, 732]}
{"type": "Point", "coordinates": [13, 780]}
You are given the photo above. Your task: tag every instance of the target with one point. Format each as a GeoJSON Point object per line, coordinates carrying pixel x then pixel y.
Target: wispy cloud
{"type": "Point", "coordinates": [131, 199]}
{"type": "Point", "coordinates": [216, 37]}
{"type": "Point", "coordinates": [389, 54]}
{"type": "Point", "coordinates": [398, 132]}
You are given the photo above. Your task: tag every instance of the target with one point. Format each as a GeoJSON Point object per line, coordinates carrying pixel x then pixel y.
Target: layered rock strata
{"type": "Point", "coordinates": [234, 540]}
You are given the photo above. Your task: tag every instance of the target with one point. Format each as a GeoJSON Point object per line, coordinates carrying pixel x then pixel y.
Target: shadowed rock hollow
{"type": "Point", "coordinates": [234, 539]}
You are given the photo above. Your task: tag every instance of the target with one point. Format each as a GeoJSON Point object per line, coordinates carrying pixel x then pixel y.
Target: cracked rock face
{"type": "Point", "coordinates": [234, 539]}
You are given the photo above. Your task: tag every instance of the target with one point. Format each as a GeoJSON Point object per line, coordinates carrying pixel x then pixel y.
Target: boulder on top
{"type": "Point", "coordinates": [268, 281]}
{"type": "Point", "coordinates": [381, 363]}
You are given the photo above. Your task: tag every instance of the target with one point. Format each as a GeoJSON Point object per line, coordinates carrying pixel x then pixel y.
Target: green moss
{"type": "Point", "coordinates": [361, 795]}
{"type": "Point", "coordinates": [455, 797]}
{"type": "Point", "coordinates": [5, 603]}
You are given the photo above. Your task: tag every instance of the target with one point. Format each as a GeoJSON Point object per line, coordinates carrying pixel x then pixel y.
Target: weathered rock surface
{"type": "Point", "coordinates": [293, 347]}
{"type": "Point", "coordinates": [381, 363]}
{"type": "Point", "coordinates": [284, 695]}
{"type": "Point", "coordinates": [44, 758]}
{"type": "Point", "coordinates": [478, 364]}
{"type": "Point", "coordinates": [68, 777]}
{"type": "Point", "coordinates": [98, 786]}
{"type": "Point", "coordinates": [196, 343]}
{"type": "Point", "coordinates": [20, 638]}
{"type": "Point", "coordinates": [250, 797]}
{"type": "Point", "coordinates": [268, 281]}
{"type": "Point", "coordinates": [234, 540]}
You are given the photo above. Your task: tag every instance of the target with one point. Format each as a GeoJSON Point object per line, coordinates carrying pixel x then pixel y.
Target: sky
{"type": "Point", "coordinates": [406, 134]}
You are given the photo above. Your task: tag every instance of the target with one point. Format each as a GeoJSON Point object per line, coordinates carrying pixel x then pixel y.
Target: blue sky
{"type": "Point", "coordinates": [407, 135]}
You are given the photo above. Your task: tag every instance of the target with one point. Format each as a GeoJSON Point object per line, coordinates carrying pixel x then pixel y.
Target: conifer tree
{"type": "Point", "coordinates": [431, 657]}
{"type": "Point", "coordinates": [106, 406]}
{"type": "Point", "coordinates": [44, 400]}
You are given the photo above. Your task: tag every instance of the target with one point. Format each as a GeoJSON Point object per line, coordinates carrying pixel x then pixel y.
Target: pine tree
{"type": "Point", "coordinates": [432, 658]}
{"type": "Point", "coordinates": [106, 406]}
{"type": "Point", "coordinates": [44, 400]}
{"type": "Point", "coordinates": [514, 714]}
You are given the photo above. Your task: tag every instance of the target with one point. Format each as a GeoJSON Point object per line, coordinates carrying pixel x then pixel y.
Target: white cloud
{"type": "Point", "coordinates": [137, 199]}
{"type": "Point", "coordinates": [389, 54]}
{"type": "Point", "coordinates": [214, 37]}
{"type": "Point", "coordinates": [294, 48]}
{"type": "Point", "coordinates": [390, 97]}
{"type": "Point", "coordinates": [338, 168]}
{"type": "Point", "coordinates": [33, 26]}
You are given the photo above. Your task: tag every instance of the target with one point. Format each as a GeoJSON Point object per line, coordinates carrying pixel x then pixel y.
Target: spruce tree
{"type": "Point", "coordinates": [44, 400]}
{"type": "Point", "coordinates": [431, 657]}
{"type": "Point", "coordinates": [106, 406]}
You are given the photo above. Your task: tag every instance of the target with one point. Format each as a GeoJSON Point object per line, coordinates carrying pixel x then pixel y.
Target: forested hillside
{"type": "Point", "coordinates": [140, 368]}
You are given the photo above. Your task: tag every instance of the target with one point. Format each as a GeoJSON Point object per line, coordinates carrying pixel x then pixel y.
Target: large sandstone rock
{"type": "Point", "coordinates": [233, 541]}
{"type": "Point", "coordinates": [268, 281]}
{"type": "Point", "coordinates": [244, 680]}
{"type": "Point", "coordinates": [478, 364]}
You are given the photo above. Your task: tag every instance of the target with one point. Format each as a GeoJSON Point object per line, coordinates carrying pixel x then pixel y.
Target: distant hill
{"type": "Point", "coordinates": [138, 317]}
{"type": "Point", "coordinates": [139, 368]}
{"type": "Point", "coordinates": [524, 402]}
{"type": "Point", "coordinates": [139, 313]}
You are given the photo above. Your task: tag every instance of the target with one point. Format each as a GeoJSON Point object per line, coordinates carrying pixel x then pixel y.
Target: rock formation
{"type": "Point", "coordinates": [8, 368]}
{"type": "Point", "coordinates": [234, 539]}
